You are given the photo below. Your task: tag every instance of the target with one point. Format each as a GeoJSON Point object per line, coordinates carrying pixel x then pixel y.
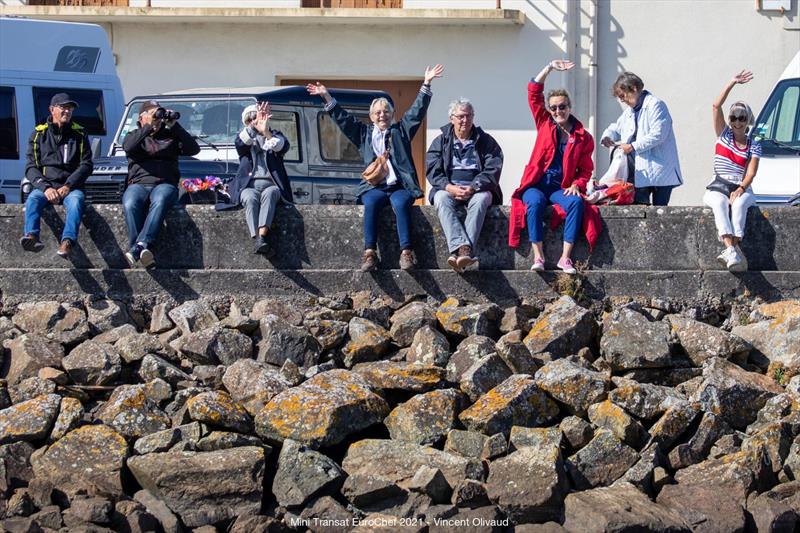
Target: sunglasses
{"type": "Point", "coordinates": [559, 107]}
{"type": "Point", "coordinates": [740, 118]}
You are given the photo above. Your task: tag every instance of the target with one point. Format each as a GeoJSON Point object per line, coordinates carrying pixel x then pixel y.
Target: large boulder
{"type": "Point", "coordinates": [401, 376]}
{"type": "Point", "coordinates": [69, 417]}
{"type": "Point", "coordinates": [483, 375]}
{"type": "Point", "coordinates": [105, 315]}
{"type": "Point", "coordinates": [216, 344]}
{"type": "Point", "coordinates": [28, 354]}
{"type": "Point", "coordinates": [30, 420]}
{"type": "Point", "coordinates": [204, 487]}
{"type": "Point", "coordinates": [398, 462]}
{"type": "Point", "coordinates": [58, 322]}
{"type": "Point", "coordinates": [776, 510]}
{"type": "Point", "coordinates": [644, 400]}
{"type": "Point", "coordinates": [88, 459]}
{"type": "Point", "coordinates": [154, 367]}
{"type": "Point", "coordinates": [193, 316]}
{"type": "Point", "coordinates": [281, 341]}
{"type": "Point", "coordinates": [631, 341]}
{"type": "Point", "coordinates": [330, 334]}
{"type": "Point", "coordinates": [253, 384]}
{"type": "Point", "coordinates": [461, 322]}
{"type": "Point", "coordinates": [778, 340]}
{"type": "Point", "coordinates": [733, 393]}
{"type": "Point", "coordinates": [601, 462]}
{"type": "Point", "coordinates": [323, 411]}
{"type": "Point", "coordinates": [429, 347]}
{"type": "Point", "coordinates": [368, 342]}
{"type": "Point", "coordinates": [701, 341]}
{"type": "Point", "coordinates": [303, 474]}
{"type": "Point", "coordinates": [467, 352]}
{"type": "Point", "coordinates": [409, 319]}
{"type": "Point", "coordinates": [93, 363]}
{"type": "Point", "coordinates": [135, 346]}
{"type": "Point", "coordinates": [529, 485]}
{"type": "Point", "coordinates": [217, 409]}
{"type": "Point", "coordinates": [561, 329]}
{"type": "Point", "coordinates": [132, 412]}
{"type": "Point", "coordinates": [572, 385]}
{"type": "Point", "coordinates": [426, 418]}
{"type": "Point", "coordinates": [518, 401]}
{"type": "Point", "coordinates": [621, 507]}
{"type": "Point", "coordinates": [609, 416]}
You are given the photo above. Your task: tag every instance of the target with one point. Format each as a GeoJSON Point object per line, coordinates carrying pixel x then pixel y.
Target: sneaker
{"type": "Point", "coordinates": [465, 259]}
{"type": "Point", "coordinates": [734, 262]}
{"type": "Point", "coordinates": [369, 261]}
{"type": "Point", "coordinates": [147, 259]}
{"type": "Point", "coordinates": [31, 243]}
{"type": "Point", "coordinates": [566, 266]}
{"type": "Point", "coordinates": [65, 249]}
{"type": "Point", "coordinates": [453, 261]}
{"type": "Point", "coordinates": [744, 266]}
{"type": "Point", "coordinates": [538, 265]}
{"type": "Point", "coordinates": [263, 247]}
{"type": "Point", "coordinates": [722, 258]}
{"type": "Point", "coordinates": [407, 260]}
{"type": "Point", "coordinates": [134, 254]}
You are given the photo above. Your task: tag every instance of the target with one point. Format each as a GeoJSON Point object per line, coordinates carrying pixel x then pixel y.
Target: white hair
{"type": "Point", "coordinates": [249, 113]}
{"type": "Point", "coordinates": [381, 101]}
{"type": "Point", "coordinates": [460, 103]}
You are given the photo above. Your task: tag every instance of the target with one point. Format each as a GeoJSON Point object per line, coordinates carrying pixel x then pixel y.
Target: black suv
{"type": "Point", "coordinates": [323, 165]}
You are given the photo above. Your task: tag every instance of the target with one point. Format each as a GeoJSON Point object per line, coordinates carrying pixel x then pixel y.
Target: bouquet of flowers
{"type": "Point", "coordinates": [209, 183]}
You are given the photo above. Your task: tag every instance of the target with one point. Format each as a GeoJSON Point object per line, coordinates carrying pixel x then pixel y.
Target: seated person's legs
{"type": "Point", "coordinates": [373, 200]}
{"type": "Point", "coordinates": [642, 195]}
{"type": "Point", "coordinates": [162, 198]}
{"type": "Point", "coordinates": [251, 201]}
{"type": "Point", "coordinates": [133, 203]}
{"type": "Point", "coordinates": [34, 205]}
{"type": "Point", "coordinates": [74, 205]}
{"type": "Point", "coordinates": [661, 195]}
{"type": "Point", "coordinates": [446, 209]}
{"type": "Point", "coordinates": [573, 206]}
{"type": "Point", "coordinates": [476, 213]}
{"type": "Point", "coordinates": [402, 200]}
{"type": "Point", "coordinates": [535, 201]}
{"type": "Point", "coordinates": [269, 198]}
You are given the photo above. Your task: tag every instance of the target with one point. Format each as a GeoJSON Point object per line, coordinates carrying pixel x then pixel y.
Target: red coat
{"type": "Point", "coordinates": [577, 164]}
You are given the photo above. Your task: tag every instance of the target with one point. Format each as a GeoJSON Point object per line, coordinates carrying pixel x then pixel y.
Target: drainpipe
{"type": "Point", "coordinates": [593, 34]}
{"type": "Point", "coordinates": [572, 51]}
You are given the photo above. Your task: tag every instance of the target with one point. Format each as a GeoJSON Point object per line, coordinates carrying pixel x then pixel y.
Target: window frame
{"type": "Point", "coordinates": [299, 142]}
{"type": "Point", "coordinates": [343, 162]}
{"type": "Point", "coordinates": [11, 155]}
{"type": "Point", "coordinates": [772, 111]}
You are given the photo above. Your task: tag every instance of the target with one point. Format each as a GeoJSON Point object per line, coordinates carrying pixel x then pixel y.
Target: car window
{"type": "Point", "coordinates": [335, 147]}
{"type": "Point", "coordinates": [780, 119]}
{"type": "Point", "coordinates": [213, 120]}
{"type": "Point", "coordinates": [9, 145]}
{"type": "Point", "coordinates": [90, 112]}
{"type": "Point", "coordinates": [287, 123]}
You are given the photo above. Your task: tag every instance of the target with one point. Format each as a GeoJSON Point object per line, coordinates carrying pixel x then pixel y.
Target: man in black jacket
{"type": "Point", "coordinates": [153, 177]}
{"type": "Point", "coordinates": [463, 166]}
{"type": "Point", "coordinates": [59, 161]}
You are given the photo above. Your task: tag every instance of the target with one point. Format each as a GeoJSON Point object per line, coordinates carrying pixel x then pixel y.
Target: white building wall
{"type": "Point", "coordinates": [683, 49]}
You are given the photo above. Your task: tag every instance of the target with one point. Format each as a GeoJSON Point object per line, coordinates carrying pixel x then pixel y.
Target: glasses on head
{"type": "Point", "coordinates": [462, 117]}
{"type": "Point", "coordinates": [559, 107]}
{"type": "Point", "coordinates": [740, 118]}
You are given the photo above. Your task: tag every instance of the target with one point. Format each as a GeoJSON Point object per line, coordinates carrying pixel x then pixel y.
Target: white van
{"type": "Point", "coordinates": [778, 129]}
{"type": "Point", "coordinates": [39, 59]}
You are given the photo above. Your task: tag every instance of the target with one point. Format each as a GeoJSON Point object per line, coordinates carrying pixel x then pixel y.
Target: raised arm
{"type": "Point", "coordinates": [413, 117]}
{"type": "Point", "coordinates": [536, 89]}
{"type": "Point", "coordinates": [352, 128]}
{"type": "Point", "coordinates": [718, 118]}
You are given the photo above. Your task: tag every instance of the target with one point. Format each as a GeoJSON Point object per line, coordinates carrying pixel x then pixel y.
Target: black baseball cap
{"type": "Point", "coordinates": [62, 99]}
{"type": "Point", "coordinates": [148, 105]}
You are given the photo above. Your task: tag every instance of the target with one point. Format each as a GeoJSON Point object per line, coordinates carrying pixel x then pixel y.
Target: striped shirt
{"type": "Point", "coordinates": [730, 161]}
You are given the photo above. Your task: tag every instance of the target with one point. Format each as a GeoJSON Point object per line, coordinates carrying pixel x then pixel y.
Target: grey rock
{"type": "Point", "coordinates": [425, 419]}
{"type": "Point", "coordinates": [28, 354]}
{"type": "Point", "coordinates": [468, 351]}
{"type": "Point", "coordinates": [113, 335]}
{"type": "Point", "coordinates": [325, 510]}
{"type": "Point", "coordinates": [401, 376]}
{"type": "Point", "coordinates": [607, 415]}
{"type": "Point", "coordinates": [69, 417]}
{"type": "Point", "coordinates": [408, 320]}
{"type": "Point", "coordinates": [470, 493]}
{"type": "Point", "coordinates": [518, 401]}
{"type": "Point", "coordinates": [777, 510]}
{"type": "Point", "coordinates": [642, 474]}
{"type": "Point", "coordinates": [291, 373]}
{"type": "Point", "coordinates": [791, 466]}
{"type": "Point", "coordinates": [431, 482]}
{"type": "Point", "coordinates": [131, 516]}
{"type": "Point", "coordinates": [254, 524]}
{"type": "Point", "coordinates": [222, 440]}
{"type": "Point", "coordinates": [515, 318]}
{"type": "Point", "coordinates": [158, 509]}
{"type": "Point", "coordinates": [601, 462]}
{"type": "Point", "coordinates": [701, 341]}
{"type": "Point", "coordinates": [364, 491]}
{"type": "Point", "coordinates": [368, 342]}
{"type": "Point", "coordinates": [30, 388]}
{"type": "Point", "coordinates": [535, 437]}
{"type": "Point", "coordinates": [217, 345]}
{"type": "Point", "coordinates": [96, 510]}
{"type": "Point", "coordinates": [204, 487]}
{"type": "Point", "coordinates": [429, 347]}
{"type": "Point", "coordinates": [135, 346]}
{"type": "Point", "coordinates": [302, 474]}
{"type": "Point", "coordinates": [16, 461]}
{"type": "Point", "coordinates": [56, 375]}
{"type": "Point", "coordinates": [774, 441]}
{"type": "Point", "coordinates": [209, 375]}
{"type": "Point", "coordinates": [281, 341]}
{"type": "Point", "coordinates": [673, 423]}
{"type": "Point", "coordinates": [711, 428]}
{"type": "Point", "coordinates": [159, 320]}
{"type": "Point", "coordinates": [577, 431]}
{"type": "Point", "coordinates": [218, 409]}
{"type": "Point", "coordinates": [483, 375]}
{"type": "Point", "coordinates": [573, 385]}
{"type": "Point", "coordinates": [58, 322]}
{"type": "Point", "coordinates": [562, 329]}
{"type": "Point", "coordinates": [644, 400]}
{"type": "Point", "coordinates": [193, 316]}
{"type": "Point", "coordinates": [30, 420]}
{"type": "Point", "coordinates": [631, 341]}
{"type": "Point", "coordinates": [289, 312]}
{"type": "Point", "coordinates": [330, 334]}
{"type": "Point", "coordinates": [253, 384]}
{"type": "Point", "coordinates": [48, 517]}
{"type": "Point", "coordinates": [495, 446]}
{"type": "Point", "coordinates": [162, 441]}
{"type": "Point", "coordinates": [515, 354]}
{"type": "Point", "coordinates": [727, 445]}
{"type": "Point", "coordinates": [466, 443]}
{"type": "Point", "coordinates": [130, 411]}
{"type": "Point", "coordinates": [154, 367]}
{"type": "Point", "coordinates": [461, 322]}
{"type": "Point", "coordinates": [105, 315]}
{"type": "Point", "coordinates": [778, 340]}
{"type": "Point", "coordinates": [93, 363]}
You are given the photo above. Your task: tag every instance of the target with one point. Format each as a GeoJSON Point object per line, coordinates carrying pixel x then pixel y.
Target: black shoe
{"type": "Point", "coordinates": [134, 254]}
{"type": "Point", "coordinates": [146, 258]}
{"type": "Point", "coordinates": [31, 243]}
{"type": "Point", "coordinates": [263, 247]}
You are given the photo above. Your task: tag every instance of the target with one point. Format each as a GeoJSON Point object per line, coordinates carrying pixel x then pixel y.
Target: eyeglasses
{"type": "Point", "coordinates": [559, 107]}
{"type": "Point", "coordinates": [462, 117]}
{"type": "Point", "coordinates": [65, 107]}
{"type": "Point", "coordinates": [740, 118]}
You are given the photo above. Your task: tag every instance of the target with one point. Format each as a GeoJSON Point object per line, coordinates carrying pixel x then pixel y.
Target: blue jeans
{"type": "Point", "coordinates": [143, 223]}
{"type": "Point", "coordinates": [73, 204]}
{"type": "Point", "coordinates": [376, 199]}
{"type": "Point", "coordinates": [537, 199]}
{"type": "Point", "coordinates": [660, 195]}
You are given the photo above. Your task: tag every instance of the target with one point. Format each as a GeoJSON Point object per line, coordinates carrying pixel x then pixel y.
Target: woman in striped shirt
{"type": "Point", "coordinates": [735, 164]}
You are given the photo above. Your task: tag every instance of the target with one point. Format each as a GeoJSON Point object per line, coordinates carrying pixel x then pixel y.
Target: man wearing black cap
{"type": "Point", "coordinates": [59, 161]}
{"type": "Point", "coordinates": [153, 176]}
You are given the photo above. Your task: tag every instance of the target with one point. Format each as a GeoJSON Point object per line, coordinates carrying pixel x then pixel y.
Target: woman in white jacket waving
{"type": "Point", "coordinates": [645, 130]}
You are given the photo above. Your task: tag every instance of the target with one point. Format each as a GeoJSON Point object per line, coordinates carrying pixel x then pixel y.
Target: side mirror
{"type": "Point", "coordinates": [97, 145]}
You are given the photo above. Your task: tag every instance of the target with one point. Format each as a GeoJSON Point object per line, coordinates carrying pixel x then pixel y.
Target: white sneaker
{"type": "Point", "coordinates": [723, 257]}
{"type": "Point", "coordinates": [734, 260]}
{"type": "Point", "coordinates": [743, 267]}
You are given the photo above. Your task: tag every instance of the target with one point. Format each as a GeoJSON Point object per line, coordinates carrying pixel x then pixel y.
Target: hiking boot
{"type": "Point", "coordinates": [566, 265]}
{"type": "Point", "coordinates": [538, 265]}
{"type": "Point", "coordinates": [407, 260]}
{"type": "Point", "coordinates": [453, 261]}
{"type": "Point", "coordinates": [369, 261]}
{"type": "Point", "coordinates": [146, 258]}
{"type": "Point", "coordinates": [65, 249]}
{"type": "Point", "coordinates": [465, 259]}
{"type": "Point", "coordinates": [31, 243]}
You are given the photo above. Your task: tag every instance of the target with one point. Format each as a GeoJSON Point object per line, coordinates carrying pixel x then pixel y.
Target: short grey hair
{"type": "Point", "coordinates": [460, 103]}
{"type": "Point", "coordinates": [381, 101]}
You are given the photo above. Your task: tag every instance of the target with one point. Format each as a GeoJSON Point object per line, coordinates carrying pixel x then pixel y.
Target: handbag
{"type": "Point", "coordinates": [376, 172]}
{"type": "Point", "coordinates": [723, 186]}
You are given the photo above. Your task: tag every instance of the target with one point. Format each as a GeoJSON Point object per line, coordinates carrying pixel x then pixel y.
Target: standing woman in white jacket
{"type": "Point", "coordinates": [645, 129]}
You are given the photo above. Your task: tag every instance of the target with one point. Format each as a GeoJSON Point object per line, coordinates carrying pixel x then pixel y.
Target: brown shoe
{"type": "Point", "coordinates": [65, 249]}
{"type": "Point", "coordinates": [465, 259]}
{"type": "Point", "coordinates": [369, 261]}
{"type": "Point", "coordinates": [31, 243]}
{"type": "Point", "coordinates": [407, 260]}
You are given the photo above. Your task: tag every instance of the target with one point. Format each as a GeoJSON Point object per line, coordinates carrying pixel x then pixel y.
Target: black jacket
{"type": "Point", "coordinates": [244, 176]}
{"type": "Point", "coordinates": [153, 159]}
{"type": "Point", "coordinates": [58, 156]}
{"type": "Point", "coordinates": [439, 163]}
{"type": "Point", "coordinates": [401, 132]}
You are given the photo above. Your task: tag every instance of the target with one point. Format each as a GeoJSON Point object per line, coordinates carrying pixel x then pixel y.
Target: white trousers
{"type": "Point", "coordinates": [730, 219]}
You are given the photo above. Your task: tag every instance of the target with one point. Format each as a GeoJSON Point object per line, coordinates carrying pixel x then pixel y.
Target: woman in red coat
{"type": "Point", "coordinates": [557, 173]}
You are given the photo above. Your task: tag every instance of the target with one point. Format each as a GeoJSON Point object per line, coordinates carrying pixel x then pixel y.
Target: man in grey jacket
{"type": "Point", "coordinates": [463, 166]}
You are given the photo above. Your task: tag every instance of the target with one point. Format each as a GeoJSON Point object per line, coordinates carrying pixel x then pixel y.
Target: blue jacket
{"type": "Point", "coordinates": [656, 152]}
{"type": "Point", "coordinates": [401, 133]}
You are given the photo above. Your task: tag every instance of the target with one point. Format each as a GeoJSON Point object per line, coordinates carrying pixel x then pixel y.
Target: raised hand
{"type": "Point", "coordinates": [433, 72]}
{"type": "Point", "coordinates": [743, 77]}
{"type": "Point", "coordinates": [263, 111]}
{"type": "Point", "coordinates": [561, 64]}
{"type": "Point", "coordinates": [316, 89]}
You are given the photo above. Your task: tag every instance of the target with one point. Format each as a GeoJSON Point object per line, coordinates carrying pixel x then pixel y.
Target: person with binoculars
{"type": "Point", "coordinates": [153, 175]}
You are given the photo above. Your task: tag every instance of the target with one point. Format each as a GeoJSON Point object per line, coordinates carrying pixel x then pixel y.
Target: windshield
{"type": "Point", "coordinates": [214, 120]}
{"type": "Point", "coordinates": [780, 119]}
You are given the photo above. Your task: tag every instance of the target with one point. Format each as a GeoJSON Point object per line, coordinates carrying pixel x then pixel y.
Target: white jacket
{"type": "Point", "coordinates": [656, 153]}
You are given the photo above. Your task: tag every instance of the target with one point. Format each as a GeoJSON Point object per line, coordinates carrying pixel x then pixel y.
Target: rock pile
{"type": "Point", "coordinates": [356, 413]}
